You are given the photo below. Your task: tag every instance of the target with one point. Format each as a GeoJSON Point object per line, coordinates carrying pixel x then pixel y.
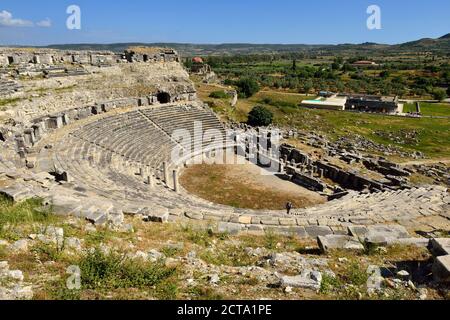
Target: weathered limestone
{"type": "Point", "coordinates": [441, 269]}
{"type": "Point", "coordinates": [12, 286]}
{"type": "Point", "coordinates": [332, 242]}
{"type": "Point", "coordinates": [441, 247]}
{"type": "Point", "coordinates": [17, 192]}
{"type": "Point", "coordinates": [315, 231]}
{"type": "Point", "coordinates": [194, 215]}
{"type": "Point", "coordinates": [308, 279]}
{"type": "Point", "coordinates": [375, 279]}
{"type": "Point", "coordinates": [176, 186]}
{"type": "Point", "coordinates": [64, 205]}
{"type": "Point", "coordinates": [155, 214]}
{"type": "Point", "coordinates": [151, 181]}
{"type": "Point", "coordinates": [231, 228]}
{"type": "Point", "coordinates": [379, 234]}
{"type": "Point", "coordinates": [166, 173]}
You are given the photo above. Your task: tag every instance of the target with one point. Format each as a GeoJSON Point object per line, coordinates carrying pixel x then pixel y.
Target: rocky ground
{"type": "Point", "coordinates": [41, 255]}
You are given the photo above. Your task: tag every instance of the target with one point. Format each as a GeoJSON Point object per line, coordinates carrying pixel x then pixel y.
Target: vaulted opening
{"type": "Point", "coordinates": [163, 97]}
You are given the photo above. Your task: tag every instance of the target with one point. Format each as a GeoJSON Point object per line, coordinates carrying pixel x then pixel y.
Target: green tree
{"type": "Point", "coordinates": [188, 63]}
{"type": "Point", "coordinates": [247, 87]}
{"type": "Point", "coordinates": [307, 86]}
{"type": "Point", "coordinates": [439, 94]}
{"type": "Point", "coordinates": [384, 74]}
{"type": "Point", "coordinates": [294, 65]}
{"type": "Point", "coordinates": [260, 116]}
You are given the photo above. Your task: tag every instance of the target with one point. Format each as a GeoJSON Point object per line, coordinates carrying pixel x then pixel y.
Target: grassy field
{"type": "Point", "coordinates": [430, 109]}
{"type": "Point", "coordinates": [433, 134]}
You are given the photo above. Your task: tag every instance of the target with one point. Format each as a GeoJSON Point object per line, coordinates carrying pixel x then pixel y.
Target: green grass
{"type": "Point", "coordinates": [270, 240]}
{"type": "Point", "coordinates": [112, 271]}
{"type": "Point", "coordinates": [4, 102]}
{"type": "Point", "coordinates": [170, 252]}
{"type": "Point", "coordinates": [430, 109]}
{"type": "Point", "coordinates": [231, 256]}
{"type": "Point", "coordinates": [219, 95]}
{"type": "Point", "coordinates": [48, 252]}
{"type": "Point", "coordinates": [100, 236]}
{"type": "Point", "coordinates": [25, 213]}
{"type": "Point", "coordinates": [434, 134]}
{"type": "Point", "coordinates": [200, 237]}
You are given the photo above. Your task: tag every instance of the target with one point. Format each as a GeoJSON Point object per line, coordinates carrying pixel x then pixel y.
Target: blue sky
{"type": "Point", "coordinates": [24, 22]}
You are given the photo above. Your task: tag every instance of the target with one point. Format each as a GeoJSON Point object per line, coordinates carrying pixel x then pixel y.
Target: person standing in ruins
{"type": "Point", "coordinates": [289, 207]}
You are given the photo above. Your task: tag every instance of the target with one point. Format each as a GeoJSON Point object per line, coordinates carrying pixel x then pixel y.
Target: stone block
{"type": "Point", "coordinates": [269, 221]}
{"type": "Point", "coordinates": [441, 269]}
{"type": "Point", "coordinates": [379, 234]}
{"type": "Point", "coordinates": [131, 210]}
{"type": "Point", "coordinates": [194, 215]}
{"type": "Point", "coordinates": [357, 231]}
{"type": "Point", "coordinates": [256, 228]}
{"type": "Point", "coordinates": [289, 231]}
{"type": "Point", "coordinates": [156, 214]}
{"type": "Point", "coordinates": [333, 242]}
{"type": "Point", "coordinates": [256, 220]}
{"type": "Point", "coordinates": [302, 222]}
{"type": "Point", "coordinates": [418, 242]}
{"type": "Point", "coordinates": [212, 216]}
{"type": "Point", "coordinates": [440, 247]}
{"type": "Point", "coordinates": [65, 205]}
{"type": "Point", "coordinates": [245, 219]}
{"type": "Point", "coordinates": [227, 227]}
{"type": "Point", "coordinates": [288, 221]}
{"type": "Point", "coordinates": [15, 193]}
{"type": "Point", "coordinates": [98, 218]}
{"type": "Point", "coordinates": [315, 231]}
{"type": "Point", "coordinates": [307, 280]}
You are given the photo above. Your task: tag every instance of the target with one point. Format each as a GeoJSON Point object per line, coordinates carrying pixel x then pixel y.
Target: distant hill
{"type": "Point", "coordinates": [441, 44]}
{"type": "Point", "coordinates": [429, 44]}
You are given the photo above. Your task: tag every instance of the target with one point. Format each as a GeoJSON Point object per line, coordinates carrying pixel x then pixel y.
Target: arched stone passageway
{"type": "Point", "coordinates": [163, 97]}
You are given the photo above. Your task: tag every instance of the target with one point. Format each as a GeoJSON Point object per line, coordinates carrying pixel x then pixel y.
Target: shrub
{"type": "Point", "coordinates": [330, 284]}
{"type": "Point", "coordinates": [260, 116]}
{"type": "Point", "coordinates": [218, 95]}
{"type": "Point", "coordinates": [247, 87]}
{"type": "Point", "coordinates": [228, 82]}
{"type": "Point", "coordinates": [439, 94]}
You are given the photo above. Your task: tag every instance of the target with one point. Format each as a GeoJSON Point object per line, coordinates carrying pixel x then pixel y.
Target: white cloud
{"type": "Point", "coordinates": [46, 23]}
{"type": "Point", "coordinates": [7, 20]}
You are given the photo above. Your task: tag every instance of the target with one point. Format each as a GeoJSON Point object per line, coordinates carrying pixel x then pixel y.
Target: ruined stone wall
{"type": "Point", "coordinates": [346, 179]}
{"type": "Point", "coordinates": [51, 57]}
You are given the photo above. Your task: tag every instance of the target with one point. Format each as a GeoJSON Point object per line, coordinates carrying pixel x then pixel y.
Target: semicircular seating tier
{"type": "Point", "coordinates": [109, 158]}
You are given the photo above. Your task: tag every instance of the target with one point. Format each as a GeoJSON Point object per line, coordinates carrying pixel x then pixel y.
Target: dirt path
{"type": "Point", "coordinates": [425, 162]}
{"type": "Point", "coordinates": [286, 93]}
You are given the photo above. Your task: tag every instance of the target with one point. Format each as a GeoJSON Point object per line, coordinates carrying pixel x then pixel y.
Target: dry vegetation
{"type": "Point", "coordinates": [233, 185]}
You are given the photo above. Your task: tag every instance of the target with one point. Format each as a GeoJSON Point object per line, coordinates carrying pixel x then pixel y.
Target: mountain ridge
{"type": "Point", "coordinates": [441, 44]}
